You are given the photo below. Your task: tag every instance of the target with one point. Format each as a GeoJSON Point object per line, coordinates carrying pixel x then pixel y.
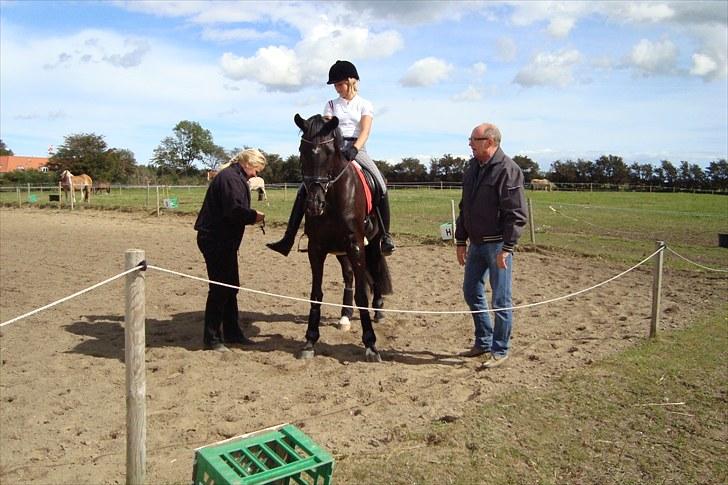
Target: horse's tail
{"type": "Point", "coordinates": [378, 270]}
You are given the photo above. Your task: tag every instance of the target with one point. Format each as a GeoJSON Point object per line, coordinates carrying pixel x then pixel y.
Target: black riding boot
{"type": "Point", "coordinates": [294, 221]}
{"type": "Point", "coordinates": [387, 241]}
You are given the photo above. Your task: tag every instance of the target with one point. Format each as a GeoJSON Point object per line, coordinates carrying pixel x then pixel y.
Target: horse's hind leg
{"type": "Point", "coordinates": [347, 312]}
{"type": "Point", "coordinates": [314, 315]}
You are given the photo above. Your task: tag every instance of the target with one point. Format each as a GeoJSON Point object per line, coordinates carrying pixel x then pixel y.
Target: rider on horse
{"type": "Point", "coordinates": [355, 122]}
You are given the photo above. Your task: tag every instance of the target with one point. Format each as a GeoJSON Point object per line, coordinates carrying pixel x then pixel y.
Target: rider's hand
{"type": "Point", "coordinates": [350, 153]}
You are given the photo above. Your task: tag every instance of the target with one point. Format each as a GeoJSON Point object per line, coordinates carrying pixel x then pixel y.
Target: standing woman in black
{"type": "Point", "coordinates": [220, 227]}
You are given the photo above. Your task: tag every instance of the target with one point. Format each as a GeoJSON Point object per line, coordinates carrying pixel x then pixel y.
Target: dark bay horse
{"type": "Point", "coordinates": [337, 222]}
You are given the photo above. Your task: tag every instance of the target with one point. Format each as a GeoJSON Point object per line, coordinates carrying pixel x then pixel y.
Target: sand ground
{"type": "Point", "coordinates": [62, 377]}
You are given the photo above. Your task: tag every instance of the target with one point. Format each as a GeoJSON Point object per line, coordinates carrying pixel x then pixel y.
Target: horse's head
{"type": "Point", "coordinates": [65, 177]}
{"type": "Point", "coordinates": [320, 159]}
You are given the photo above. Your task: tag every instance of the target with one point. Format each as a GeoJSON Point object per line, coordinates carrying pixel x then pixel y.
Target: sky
{"type": "Point", "coordinates": [646, 81]}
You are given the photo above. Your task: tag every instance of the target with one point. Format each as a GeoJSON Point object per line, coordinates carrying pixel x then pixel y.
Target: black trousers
{"type": "Point", "coordinates": [222, 302]}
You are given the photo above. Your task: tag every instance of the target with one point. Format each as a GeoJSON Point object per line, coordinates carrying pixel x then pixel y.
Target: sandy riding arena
{"type": "Point", "coordinates": [62, 381]}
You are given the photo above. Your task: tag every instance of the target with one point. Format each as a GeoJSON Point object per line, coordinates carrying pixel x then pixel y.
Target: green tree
{"type": "Point", "coordinates": [718, 174]}
{"type": "Point", "coordinates": [530, 169]}
{"type": "Point", "coordinates": [189, 145]}
{"type": "Point", "coordinates": [563, 172]}
{"type": "Point", "coordinates": [446, 169]}
{"type": "Point", "coordinates": [409, 170]}
{"type": "Point", "coordinates": [119, 167]}
{"type": "Point", "coordinates": [4, 150]}
{"type": "Point", "coordinates": [80, 153]}
{"type": "Point", "coordinates": [669, 173]}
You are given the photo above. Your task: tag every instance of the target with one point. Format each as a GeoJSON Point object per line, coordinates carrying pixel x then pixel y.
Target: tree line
{"type": "Point", "coordinates": [189, 152]}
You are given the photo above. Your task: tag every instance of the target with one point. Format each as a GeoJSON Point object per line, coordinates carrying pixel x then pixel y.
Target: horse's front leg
{"type": "Point", "coordinates": [348, 275]}
{"type": "Point", "coordinates": [316, 259]}
{"type": "Point", "coordinates": [368, 337]}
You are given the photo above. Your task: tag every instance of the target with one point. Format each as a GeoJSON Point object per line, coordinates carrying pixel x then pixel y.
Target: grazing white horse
{"type": "Point", "coordinates": [70, 182]}
{"type": "Point", "coordinates": [542, 184]}
{"type": "Point", "coordinates": [258, 184]}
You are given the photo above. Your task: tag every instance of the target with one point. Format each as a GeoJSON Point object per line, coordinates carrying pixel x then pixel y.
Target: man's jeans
{"type": "Point", "coordinates": [479, 265]}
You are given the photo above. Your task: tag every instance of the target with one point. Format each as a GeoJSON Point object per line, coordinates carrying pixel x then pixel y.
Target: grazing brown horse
{"type": "Point", "coordinates": [70, 182]}
{"type": "Point", "coordinates": [337, 222]}
{"type": "Point", "coordinates": [102, 187]}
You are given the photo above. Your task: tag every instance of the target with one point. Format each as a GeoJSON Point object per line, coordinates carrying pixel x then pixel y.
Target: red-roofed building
{"type": "Point", "coordinates": [10, 163]}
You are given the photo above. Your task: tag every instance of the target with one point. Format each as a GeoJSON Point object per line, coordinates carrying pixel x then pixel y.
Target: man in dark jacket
{"type": "Point", "coordinates": [492, 217]}
{"type": "Point", "coordinates": [220, 227]}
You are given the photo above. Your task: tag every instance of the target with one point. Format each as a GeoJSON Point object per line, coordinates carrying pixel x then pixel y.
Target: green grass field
{"type": "Point", "coordinates": [618, 226]}
{"type": "Point", "coordinates": [650, 415]}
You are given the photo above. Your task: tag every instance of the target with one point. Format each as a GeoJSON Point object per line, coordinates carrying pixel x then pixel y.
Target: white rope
{"type": "Point", "coordinates": [78, 293]}
{"type": "Point", "coordinates": [693, 262]}
{"type": "Point", "coordinates": [594, 225]}
{"type": "Point", "coordinates": [394, 310]}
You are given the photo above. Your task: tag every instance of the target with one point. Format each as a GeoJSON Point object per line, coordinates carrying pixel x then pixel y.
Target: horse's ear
{"type": "Point", "coordinates": [300, 122]}
{"type": "Point", "coordinates": [331, 124]}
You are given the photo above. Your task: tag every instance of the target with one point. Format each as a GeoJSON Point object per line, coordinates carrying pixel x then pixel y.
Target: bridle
{"type": "Point", "coordinates": [324, 182]}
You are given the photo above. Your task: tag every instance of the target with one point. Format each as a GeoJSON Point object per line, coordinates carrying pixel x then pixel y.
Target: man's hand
{"type": "Point", "coordinates": [350, 153]}
{"type": "Point", "coordinates": [259, 216]}
{"type": "Point", "coordinates": [461, 252]}
{"type": "Point", "coordinates": [501, 259]}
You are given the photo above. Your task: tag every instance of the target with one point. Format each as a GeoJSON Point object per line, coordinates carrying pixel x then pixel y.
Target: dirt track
{"type": "Point", "coordinates": [62, 408]}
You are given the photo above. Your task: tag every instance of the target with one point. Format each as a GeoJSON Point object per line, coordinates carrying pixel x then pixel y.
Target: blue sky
{"type": "Point", "coordinates": [563, 80]}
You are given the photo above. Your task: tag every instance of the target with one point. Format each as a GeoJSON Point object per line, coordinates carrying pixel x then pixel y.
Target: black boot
{"type": "Point", "coordinates": [387, 241]}
{"type": "Point", "coordinates": [294, 221]}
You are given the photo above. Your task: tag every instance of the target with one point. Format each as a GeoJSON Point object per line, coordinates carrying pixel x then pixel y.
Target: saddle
{"type": "Point", "coordinates": [372, 193]}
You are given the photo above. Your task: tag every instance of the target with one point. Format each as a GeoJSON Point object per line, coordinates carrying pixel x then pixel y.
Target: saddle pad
{"type": "Point", "coordinates": [367, 189]}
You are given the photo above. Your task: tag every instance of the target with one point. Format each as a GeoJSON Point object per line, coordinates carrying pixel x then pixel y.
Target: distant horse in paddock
{"type": "Point", "coordinates": [70, 182]}
{"type": "Point", "coordinates": [102, 187]}
{"type": "Point", "coordinates": [542, 184]}
{"type": "Point", "coordinates": [338, 219]}
{"type": "Point", "coordinates": [257, 184]}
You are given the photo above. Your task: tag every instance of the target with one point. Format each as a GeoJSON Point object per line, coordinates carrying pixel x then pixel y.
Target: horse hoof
{"type": "Point", "coordinates": [306, 354]}
{"type": "Point", "coordinates": [378, 316]}
{"type": "Point", "coordinates": [372, 355]}
{"type": "Point", "coordinates": [345, 324]}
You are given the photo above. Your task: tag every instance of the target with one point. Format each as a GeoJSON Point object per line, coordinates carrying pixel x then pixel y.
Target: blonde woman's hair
{"type": "Point", "coordinates": [353, 85]}
{"type": "Point", "coordinates": [251, 157]}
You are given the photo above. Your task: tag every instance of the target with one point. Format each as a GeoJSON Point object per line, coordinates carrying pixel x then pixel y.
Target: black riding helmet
{"type": "Point", "coordinates": [342, 70]}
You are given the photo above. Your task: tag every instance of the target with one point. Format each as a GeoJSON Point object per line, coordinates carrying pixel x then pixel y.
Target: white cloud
{"type": "Point", "coordinates": [651, 58]}
{"type": "Point", "coordinates": [479, 69]}
{"type": "Point", "coordinates": [284, 69]}
{"type": "Point", "coordinates": [277, 68]}
{"type": "Point", "coordinates": [549, 69]}
{"type": "Point", "coordinates": [703, 65]}
{"type": "Point", "coordinates": [426, 72]}
{"type": "Point", "coordinates": [470, 94]}
{"type": "Point", "coordinates": [561, 26]}
{"type": "Point", "coordinates": [506, 49]}
{"type": "Point", "coordinates": [232, 35]}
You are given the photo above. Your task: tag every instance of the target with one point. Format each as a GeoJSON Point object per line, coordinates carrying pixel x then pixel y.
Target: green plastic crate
{"type": "Point", "coordinates": [282, 455]}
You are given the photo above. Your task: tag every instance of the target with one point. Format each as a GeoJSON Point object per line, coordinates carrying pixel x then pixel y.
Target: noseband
{"type": "Point", "coordinates": [324, 182]}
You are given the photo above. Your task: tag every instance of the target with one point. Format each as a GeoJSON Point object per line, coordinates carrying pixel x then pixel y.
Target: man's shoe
{"type": "Point", "coordinates": [495, 361]}
{"type": "Point", "coordinates": [387, 244]}
{"type": "Point", "coordinates": [218, 347]}
{"type": "Point", "coordinates": [475, 351]}
{"type": "Point", "coordinates": [242, 340]}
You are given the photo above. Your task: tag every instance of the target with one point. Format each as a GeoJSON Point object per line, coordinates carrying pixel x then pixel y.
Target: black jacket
{"type": "Point", "coordinates": [493, 204]}
{"type": "Point", "coordinates": [226, 209]}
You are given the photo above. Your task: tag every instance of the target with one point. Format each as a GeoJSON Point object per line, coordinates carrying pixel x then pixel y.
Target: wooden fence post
{"type": "Point", "coordinates": [134, 347]}
{"type": "Point", "coordinates": [157, 200]}
{"type": "Point", "coordinates": [531, 224]}
{"type": "Point", "coordinates": [656, 288]}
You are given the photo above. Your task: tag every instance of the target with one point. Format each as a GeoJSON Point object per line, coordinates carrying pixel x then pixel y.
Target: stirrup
{"type": "Point", "coordinates": [305, 248]}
